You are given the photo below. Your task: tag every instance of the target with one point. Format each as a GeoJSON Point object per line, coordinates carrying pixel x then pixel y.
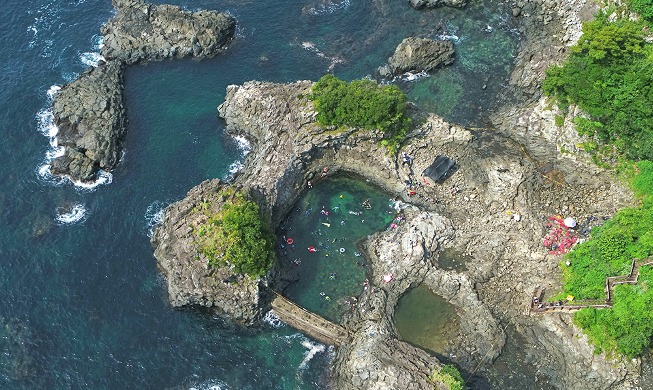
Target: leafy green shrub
{"type": "Point", "coordinates": [643, 8]}
{"type": "Point", "coordinates": [627, 327]}
{"type": "Point", "coordinates": [609, 75]}
{"type": "Point", "coordinates": [364, 104]}
{"type": "Point", "coordinates": [237, 235]}
{"type": "Point", "coordinates": [449, 376]}
{"type": "Point", "coordinates": [642, 182]}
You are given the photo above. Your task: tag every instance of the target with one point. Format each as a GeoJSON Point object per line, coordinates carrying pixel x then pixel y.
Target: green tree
{"type": "Point", "coordinates": [609, 75]}
{"type": "Point", "coordinates": [237, 235]}
{"type": "Point", "coordinates": [363, 104]}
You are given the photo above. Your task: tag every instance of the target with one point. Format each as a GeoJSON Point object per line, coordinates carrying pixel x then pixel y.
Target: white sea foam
{"type": "Point", "coordinates": [76, 213]}
{"type": "Point", "coordinates": [234, 168]}
{"type": "Point", "coordinates": [313, 349]}
{"type": "Point", "coordinates": [328, 8]}
{"type": "Point", "coordinates": [211, 384]}
{"type": "Point", "coordinates": [449, 37]}
{"type": "Point", "coordinates": [245, 147]}
{"type": "Point", "coordinates": [271, 319]}
{"type": "Point", "coordinates": [333, 61]}
{"type": "Point", "coordinates": [91, 59]}
{"type": "Point", "coordinates": [103, 178]}
{"type": "Point", "coordinates": [98, 42]}
{"type": "Point", "coordinates": [410, 76]}
{"type": "Point", "coordinates": [154, 215]}
{"type": "Point", "coordinates": [243, 144]}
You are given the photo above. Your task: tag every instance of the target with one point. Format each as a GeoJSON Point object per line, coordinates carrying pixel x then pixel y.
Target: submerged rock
{"type": "Point", "coordinates": [417, 55]}
{"type": "Point", "coordinates": [436, 3]}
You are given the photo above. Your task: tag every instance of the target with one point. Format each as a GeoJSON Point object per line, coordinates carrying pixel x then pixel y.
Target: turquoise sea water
{"type": "Point", "coordinates": [82, 304]}
{"type": "Point", "coordinates": [325, 227]}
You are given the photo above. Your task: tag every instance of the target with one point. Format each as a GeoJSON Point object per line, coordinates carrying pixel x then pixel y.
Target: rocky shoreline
{"type": "Point", "coordinates": [498, 179]}
{"type": "Point", "coordinates": [492, 210]}
{"type": "Point", "coordinates": [90, 111]}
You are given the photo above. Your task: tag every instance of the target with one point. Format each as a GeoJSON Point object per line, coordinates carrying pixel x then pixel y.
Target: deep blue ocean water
{"type": "Point", "coordinates": [82, 304]}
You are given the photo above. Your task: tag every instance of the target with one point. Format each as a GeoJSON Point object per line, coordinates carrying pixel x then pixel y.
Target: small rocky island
{"type": "Point", "coordinates": [90, 111]}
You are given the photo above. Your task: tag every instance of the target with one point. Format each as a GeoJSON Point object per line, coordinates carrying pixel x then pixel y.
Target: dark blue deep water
{"type": "Point", "coordinates": [81, 302]}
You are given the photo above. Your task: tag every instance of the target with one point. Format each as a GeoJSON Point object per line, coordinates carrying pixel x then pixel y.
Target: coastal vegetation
{"type": "Point", "coordinates": [363, 104]}
{"type": "Point", "coordinates": [627, 327]}
{"type": "Point", "coordinates": [449, 376]}
{"type": "Point", "coordinates": [609, 75]}
{"type": "Point", "coordinates": [236, 235]}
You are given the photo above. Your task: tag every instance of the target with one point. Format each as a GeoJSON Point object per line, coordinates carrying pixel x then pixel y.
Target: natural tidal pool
{"type": "Point", "coordinates": [318, 242]}
{"type": "Point", "coordinates": [426, 320]}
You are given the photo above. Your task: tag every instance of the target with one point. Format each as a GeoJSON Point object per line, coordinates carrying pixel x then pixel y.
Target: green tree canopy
{"type": "Point", "coordinates": [237, 235]}
{"type": "Point", "coordinates": [364, 104]}
{"type": "Point", "coordinates": [609, 75]}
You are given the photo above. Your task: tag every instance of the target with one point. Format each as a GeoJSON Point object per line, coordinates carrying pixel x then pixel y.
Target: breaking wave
{"type": "Point", "coordinates": [154, 215]}
{"type": "Point", "coordinates": [72, 215]}
{"type": "Point", "coordinates": [271, 319]}
{"type": "Point", "coordinates": [313, 349]}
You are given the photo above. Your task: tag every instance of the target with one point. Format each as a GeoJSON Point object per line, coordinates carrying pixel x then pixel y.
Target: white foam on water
{"type": "Point", "coordinates": [243, 144]}
{"type": "Point", "coordinates": [234, 168]}
{"type": "Point", "coordinates": [449, 37]}
{"type": "Point", "coordinates": [333, 61]}
{"type": "Point", "coordinates": [211, 384]}
{"type": "Point", "coordinates": [410, 76]}
{"type": "Point", "coordinates": [103, 178]}
{"type": "Point", "coordinates": [313, 349]}
{"type": "Point", "coordinates": [245, 147]}
{"type": "Point", "coordinates": [91, 59]}
{"type": "Point", "coordinates": [77, 213]}
{"type": "Point", "coordinates": [154, 215]}
{"type": "Point", "coordinates": [271, 319]}
{"type": "Point", "coordinates": [331, 7]}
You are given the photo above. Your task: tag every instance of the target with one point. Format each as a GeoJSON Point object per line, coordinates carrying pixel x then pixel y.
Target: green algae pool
{"type": "Point", "coordinates": [319, 242]}
{"type": "Point", "coordinates": [426, 320]}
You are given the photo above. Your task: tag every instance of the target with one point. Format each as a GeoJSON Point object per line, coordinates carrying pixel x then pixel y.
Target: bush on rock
{"type": "Point", "coordinates": [364, 104]}
{"type": "Point", "coordinates": [236, 235]}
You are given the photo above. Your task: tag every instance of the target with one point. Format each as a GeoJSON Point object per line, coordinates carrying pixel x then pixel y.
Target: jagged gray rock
{"type": "Point", "coordinates": [496, 176]}
{"type": "Point", "coordinates": [90, 113]}
{"type": "Point", "coordinates": [189, 278]}
{"type": "Point", "coordinates": [417, 55]}
{"type": "Point", "coordinates": [90, 116]}
{"type": "Point", "coordinates": [144, 32]}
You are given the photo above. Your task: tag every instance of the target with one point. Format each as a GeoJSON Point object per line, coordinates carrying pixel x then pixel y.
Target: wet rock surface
{"type": "Point", "coordinates": [90, 112]}
{"type": "Point", "coordinates": [418, 55]}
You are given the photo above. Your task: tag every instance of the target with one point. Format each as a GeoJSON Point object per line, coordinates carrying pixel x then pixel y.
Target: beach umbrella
{"type": "Point", "coordinates": [570, 222]}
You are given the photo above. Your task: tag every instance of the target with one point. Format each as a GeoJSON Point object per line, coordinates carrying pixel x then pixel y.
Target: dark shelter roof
{"type": "Point", "coordinates": [440, 169]}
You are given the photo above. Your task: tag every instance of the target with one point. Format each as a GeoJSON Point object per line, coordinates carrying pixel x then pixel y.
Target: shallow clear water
{"type": "Point", "coordinates": [82, 302]}
{"type": "Point", "coordinates": [325, 227]}
{"type": "Point", "coordinates": [427, 320]}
